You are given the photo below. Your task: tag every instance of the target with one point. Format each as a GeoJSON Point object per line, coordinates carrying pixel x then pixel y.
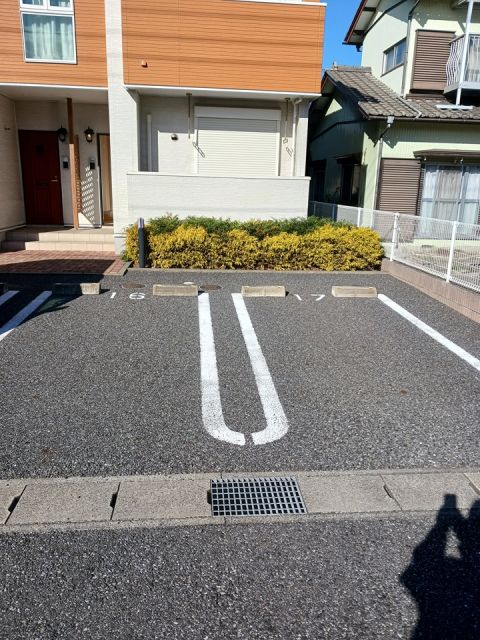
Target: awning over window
{"type": "Point", "coordinates": [449, 154]}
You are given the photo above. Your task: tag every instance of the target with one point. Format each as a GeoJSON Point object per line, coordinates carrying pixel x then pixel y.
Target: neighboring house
{"type": "Point", "coordinates": [126, 108]}
{"type": "Point", "coordinates": [402, 132]}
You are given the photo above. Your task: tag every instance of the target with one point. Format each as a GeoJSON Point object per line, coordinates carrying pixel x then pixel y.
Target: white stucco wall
{"type": "Point", "coordinates": [124, 121]}
{"type": "Point", "coordinates": [50, 116]}
{"type": "Point", "coordinates": [11, 195]}
{"type": "Point", "coordinates": [153, 195]}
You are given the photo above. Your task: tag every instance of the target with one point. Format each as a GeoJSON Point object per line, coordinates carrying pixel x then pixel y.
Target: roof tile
{"type": "Point", "coordinates": [375, 100]}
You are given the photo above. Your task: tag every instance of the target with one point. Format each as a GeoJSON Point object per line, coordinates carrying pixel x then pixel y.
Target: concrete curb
{"type": "Point", "coordinates": [271, 291]}
{"type": "Point", "coordinates": [76, 289]}
{"type": "Point", "coordinates": [175, 290]}
{"type": "Point", "coordinates": [183, 499]}
{"type": "Point", "coordinates": [354, 292]}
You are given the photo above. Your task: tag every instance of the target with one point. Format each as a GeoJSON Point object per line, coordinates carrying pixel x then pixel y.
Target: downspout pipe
{"type": "Point", "coordinates": [407, 46]}
{"type": "Point", "coordinates": [466, 45]}
{"type": "Point", "coordinates": [296, 102]}
{"type": "Point", "coordinates": [390, 122]}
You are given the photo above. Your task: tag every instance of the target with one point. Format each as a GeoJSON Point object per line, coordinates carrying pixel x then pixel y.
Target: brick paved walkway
{"type": "Point", "coordinates": [60, 262]}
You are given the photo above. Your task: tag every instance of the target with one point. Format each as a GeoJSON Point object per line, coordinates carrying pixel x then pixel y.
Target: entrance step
{"type": "Point", "coordinates": [59, 239]}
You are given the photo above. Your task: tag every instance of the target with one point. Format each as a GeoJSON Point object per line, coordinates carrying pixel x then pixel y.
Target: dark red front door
{"type": "Point", "coordinates": [41, 177]}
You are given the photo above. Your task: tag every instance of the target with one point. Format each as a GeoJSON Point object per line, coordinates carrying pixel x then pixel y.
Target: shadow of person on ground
{"type": "Point", "coordinates": [444, 576]}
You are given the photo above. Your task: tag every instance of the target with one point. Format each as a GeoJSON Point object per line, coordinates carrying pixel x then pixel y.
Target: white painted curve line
{"type": "Point", "coordinates": [212, 412]}
{"type": "Point", "coordinates": [113, 295]}
{"type": "Point", "coordinates": [7, 296]}
{"type": "Point", "coordinates": [22, 315]}
{"type": "Point", "coordinates": [277, 423]}
{"type": "Point", "coordinates": [297, 297]}
{"type": "Point", "coordinates": [445, 342]}
{"type": "Point", "coordinates": [320, 298]}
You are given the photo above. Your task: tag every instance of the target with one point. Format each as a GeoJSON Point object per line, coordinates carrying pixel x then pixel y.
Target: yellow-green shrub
{"type": "Point", "coordinates": [327, 248]}
{"type": "Point", "coordinates": [283, 252]}
{"type": "Point", "coordinates": [342, 249]}
{"type": "Point", "coordinates": [184, 248]}
{"type": "Point", "coordinates": [234, 250]}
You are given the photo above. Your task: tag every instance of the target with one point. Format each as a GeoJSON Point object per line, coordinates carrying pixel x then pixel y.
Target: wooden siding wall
{"type": "Point", "coordinates": [432, 50]}
{"type": "Point", "coordinates": [399, 187]}
{"type": "Point", "coordinates": [223, 44]}
{"type": "Point", "coordinates": [91, 67]}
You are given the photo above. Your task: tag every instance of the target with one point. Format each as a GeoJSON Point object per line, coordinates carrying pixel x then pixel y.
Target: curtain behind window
{"type": "Point", "coordinates": [48, 37]}
{"type": "Point", "coordinates": [452, 193]}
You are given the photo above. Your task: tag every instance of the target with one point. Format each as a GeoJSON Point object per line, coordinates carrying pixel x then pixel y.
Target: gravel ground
{"type": "Point", "coordinates": [101, 386]}
{"type": "Point", "coordinates": [353, 579]}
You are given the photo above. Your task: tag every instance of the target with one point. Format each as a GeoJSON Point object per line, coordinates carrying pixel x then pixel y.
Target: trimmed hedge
{"type": "Point", "coordinates": [311, 243]}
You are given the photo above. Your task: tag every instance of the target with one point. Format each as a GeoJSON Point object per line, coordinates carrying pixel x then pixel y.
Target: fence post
{"type": "Point", "coordinates": [452, 251]}
{"type": "Point", "coordinates": [359, 216]}
{"type": "Point", "coordinates": [395, 234]}
{"type": "Point", "coordinates": [141, 243]}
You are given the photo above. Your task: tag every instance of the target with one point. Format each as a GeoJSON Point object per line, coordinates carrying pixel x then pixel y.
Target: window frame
{"type": "Point", "coordinates": [461, 200]}
{"type": "Point", "coordinates": [396, 64]}
{"type": "Point", "coordinates": [46, 9]}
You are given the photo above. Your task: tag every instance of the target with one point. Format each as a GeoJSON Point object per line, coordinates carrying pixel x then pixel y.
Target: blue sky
{"type": "Point", "coordinates": [340, 14]}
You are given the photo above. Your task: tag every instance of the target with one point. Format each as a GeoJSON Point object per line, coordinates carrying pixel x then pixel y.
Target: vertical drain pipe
{"type": "Point", "coordinates": [189, 107]}
{"type": "Point", "coordinates": [149, 142]}
{"type": "Point", "coordinates": [294, 132]}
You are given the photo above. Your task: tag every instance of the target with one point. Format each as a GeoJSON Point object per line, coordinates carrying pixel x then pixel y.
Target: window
{"type": "Point", "coordinates": [452, 192]}
{"type": "Point", "coordinates": [395, 56]}
{"type": "Point", "coordinates": [48, 30]}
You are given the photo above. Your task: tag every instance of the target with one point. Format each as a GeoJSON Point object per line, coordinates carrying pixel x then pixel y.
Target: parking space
{"type": "Point", "coordinates": [127, 383]}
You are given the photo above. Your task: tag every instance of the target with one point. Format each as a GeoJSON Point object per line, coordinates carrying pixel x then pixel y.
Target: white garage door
{"type": "Point", "coordinates": [237, 146]}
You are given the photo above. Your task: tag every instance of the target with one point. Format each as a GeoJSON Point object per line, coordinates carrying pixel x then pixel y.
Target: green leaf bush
{"type": "Point", "coordinates": [295, 244]}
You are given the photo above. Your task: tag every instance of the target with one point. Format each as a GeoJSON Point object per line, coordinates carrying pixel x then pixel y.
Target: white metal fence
{"type": "Point", "coordinates": [450, 250]}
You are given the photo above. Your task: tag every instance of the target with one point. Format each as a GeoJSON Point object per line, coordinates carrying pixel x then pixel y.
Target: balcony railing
{"type": "Point", "coordinates": [471, 77]}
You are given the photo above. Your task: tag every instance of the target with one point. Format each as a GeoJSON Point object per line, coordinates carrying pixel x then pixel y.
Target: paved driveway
{"type": "Point", "coordinates": [112, 384]}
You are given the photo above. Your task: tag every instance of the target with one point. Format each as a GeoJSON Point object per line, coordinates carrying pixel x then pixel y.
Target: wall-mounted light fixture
{"type": "Point", "coordinates": [89, 133]}
{"type": "Point", "coordinates": [62, 133]}
{"type": "Point", "coordinates": [174, 136]}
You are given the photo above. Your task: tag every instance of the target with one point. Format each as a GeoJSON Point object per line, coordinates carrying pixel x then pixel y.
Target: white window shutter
{"type": "Point", "coordinates": [238, 146]}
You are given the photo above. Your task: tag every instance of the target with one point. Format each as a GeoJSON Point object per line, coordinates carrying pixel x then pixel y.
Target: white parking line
{"type": "Point", "coordinates": [7, 296]}
{"type": "Point", "coordinates": [445, 342]}
{"type": "Point", "coordinates": [297, 297]}
{"type": "Point", "coordinates": [277, 424]}
{"type": "Point", "coordinates": [212, 412]}
{"type": "Point", "coordinates": [22, 315]}
{"type": "Point", "coordinates": [113, 295]}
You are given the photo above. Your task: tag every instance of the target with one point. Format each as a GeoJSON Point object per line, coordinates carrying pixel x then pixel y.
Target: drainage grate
{"type": "Point", "coordinates": [210, 287]}
{"type": "Point", "coordinates": [256, 497]}
{"type": "Point", "coordinates": [133, 285]}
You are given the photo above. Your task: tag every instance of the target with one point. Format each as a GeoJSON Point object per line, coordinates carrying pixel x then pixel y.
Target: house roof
{"type": "Point", "coordinates": [376, 101]}
{"type": "Point", "coordinates": [361, 21]}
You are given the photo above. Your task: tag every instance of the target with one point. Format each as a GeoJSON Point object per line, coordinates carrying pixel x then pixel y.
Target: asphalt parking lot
{"type": "Point", "coordinates": [113, 385]}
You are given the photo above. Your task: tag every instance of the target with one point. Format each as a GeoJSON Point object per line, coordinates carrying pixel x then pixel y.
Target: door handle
{"type": "Point", "coordinates": [54, 180]}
